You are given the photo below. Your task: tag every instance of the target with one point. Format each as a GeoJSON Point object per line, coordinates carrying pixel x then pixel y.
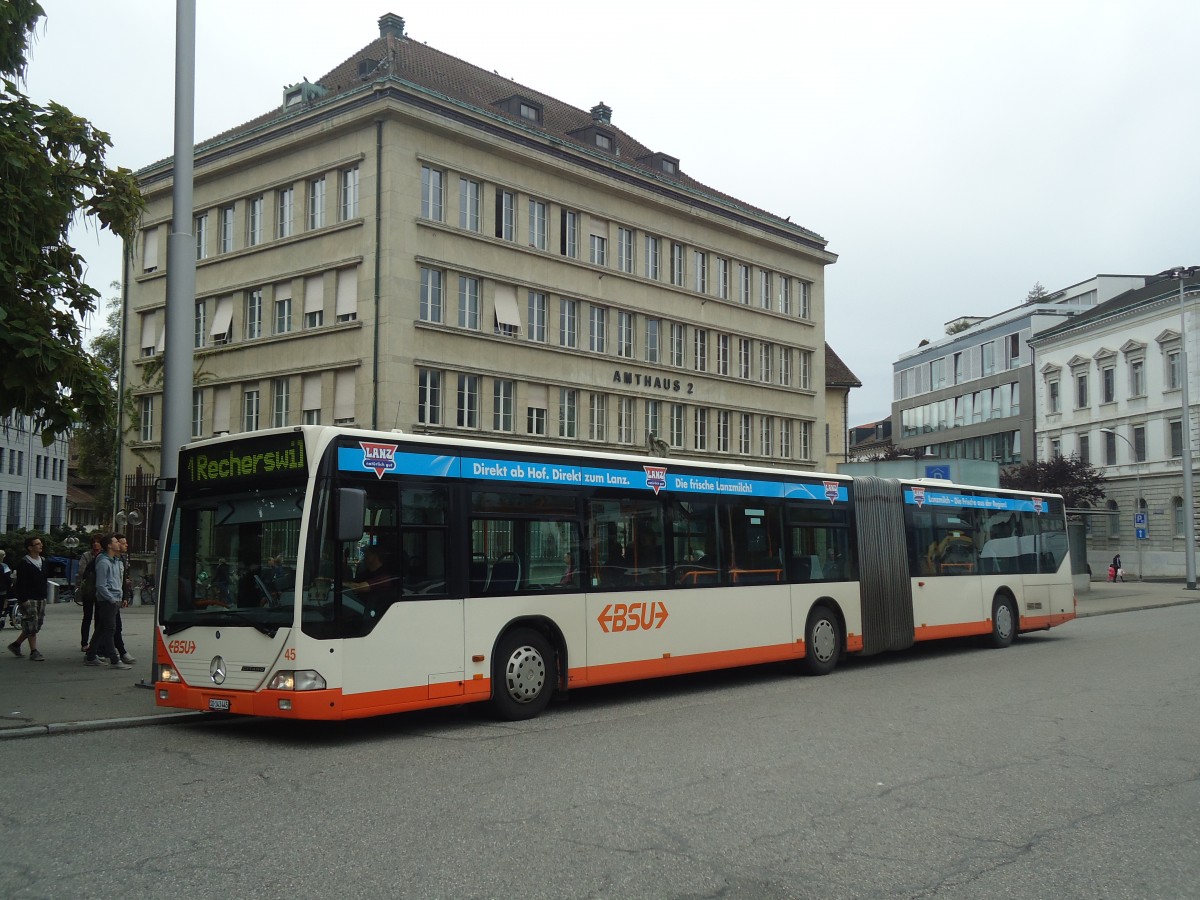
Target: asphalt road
{"type": "Point", "coordinates": [1065, 766]}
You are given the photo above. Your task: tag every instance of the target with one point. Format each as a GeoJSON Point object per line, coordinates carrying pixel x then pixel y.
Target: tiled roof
{"type": "Point", "coordinates": [837, 373]}
{"type": "Point", "coordinates": [402, 59]}
{"type": "Point", "coordinates": [1157, 290]}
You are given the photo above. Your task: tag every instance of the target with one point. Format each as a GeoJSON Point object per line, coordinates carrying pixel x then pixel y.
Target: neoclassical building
{"type": "Point", "coordinates": [414, 242]}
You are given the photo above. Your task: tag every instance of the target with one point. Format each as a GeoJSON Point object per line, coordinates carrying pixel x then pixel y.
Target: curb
{"type": "Point", "coordinates": [1108, 612]}
{"type": "Point", "coordinates": [27, 731]}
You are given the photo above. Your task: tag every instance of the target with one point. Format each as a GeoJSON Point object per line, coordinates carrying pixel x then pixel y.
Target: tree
{"type": "Point", "coordinates": [1036, 293]}
{"type": "Point", "coordinates": [1079, 484]}
{"type": "Point", "coordinates": [95, 440]}
{"type": "Point", "coordinates": [52, 173]}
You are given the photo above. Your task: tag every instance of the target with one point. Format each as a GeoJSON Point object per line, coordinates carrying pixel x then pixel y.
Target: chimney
{"type": "Point", "coordinates": [391, 24]}
{"type": "Point", "coordinates": [602, 113]}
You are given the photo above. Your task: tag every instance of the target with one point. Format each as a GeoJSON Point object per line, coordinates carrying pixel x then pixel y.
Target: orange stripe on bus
{"type": "Point", "coordinates": [639, 669]}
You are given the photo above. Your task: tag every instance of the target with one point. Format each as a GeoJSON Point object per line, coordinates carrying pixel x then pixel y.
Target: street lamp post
{"type": "Point", "coordinates": [1137, 474]}
{"type": "Point", "coordinates": [1189, 495]}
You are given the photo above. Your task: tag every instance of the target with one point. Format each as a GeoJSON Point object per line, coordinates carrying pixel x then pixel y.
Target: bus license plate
{"type": "Point", "coordinates": [217, 704]}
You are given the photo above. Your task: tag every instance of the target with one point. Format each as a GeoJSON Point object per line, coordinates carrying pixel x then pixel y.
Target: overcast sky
{"type": "Point", "coordinates": [952, 153]}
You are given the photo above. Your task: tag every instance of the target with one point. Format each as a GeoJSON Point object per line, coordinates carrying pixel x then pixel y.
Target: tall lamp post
{"type": "Point", "coordinates": [1189, 494]}
{"type": "Point", "coordinates": [1137, 474]}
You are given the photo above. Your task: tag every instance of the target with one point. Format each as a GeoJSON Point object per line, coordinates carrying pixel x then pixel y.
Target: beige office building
{"type": "Point", "coordinates": [413, 242]}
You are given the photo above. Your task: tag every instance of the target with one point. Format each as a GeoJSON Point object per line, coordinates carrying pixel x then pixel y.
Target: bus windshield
{"type": "Point", "coordinates": [231, 560]}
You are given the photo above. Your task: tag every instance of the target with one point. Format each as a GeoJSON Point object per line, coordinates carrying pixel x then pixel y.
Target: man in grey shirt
{"type": "Point", "coordinates": [108, 599]}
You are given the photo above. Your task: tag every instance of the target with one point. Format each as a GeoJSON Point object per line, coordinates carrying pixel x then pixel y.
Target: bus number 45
{"type": "Point", "coordinates": [632, 616]}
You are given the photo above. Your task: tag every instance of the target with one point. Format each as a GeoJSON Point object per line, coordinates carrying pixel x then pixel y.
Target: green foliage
{"type": "Point", "coordinates": [1036, 293]}
{"type": "Point", "coordinates": [95, 441]}
{"type": "Point", "coordinates": [52, 172]}
{"type": "Point", "coordinates": [1079, 483]}
{"type": "Point", "coordinates": [53, 543]}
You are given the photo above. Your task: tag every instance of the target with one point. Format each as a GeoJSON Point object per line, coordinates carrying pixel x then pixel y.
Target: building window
{"type": "Point", "coordinates": [1012, 343]}
{"type": "Point", "coordinates": [625, 420]}
{"type": "Point", "coordinates": [535, 420]}
{"type": "Point", "coordinates": [468, 204]}
{"type": "Point", "coordinates": [765, 443]}
{"type": "Point", "coordinates": [598, 250]}
{"type": "Point", "coordinates": [431, 194]}
{"type": "Point", "coordinates": [677, 264]}
{"type": "Point", "coordinates": [676, 425]}
{"type": "Point", "coordinates": [506, 215]}
{"type": "Point", "coordinates": [700, 349]}
{"type": "Point", "coordinates": [569, 239]}
{"type": "Point", "coordinates": [431, 295]}
{"type": "Point", "coordinates": [785, 366]}
{"type": "Point", "coordinates": [468, 302]}
{"type": "Point", "coordinates": [1110, 448]}
{"type": "Point", "coordinates": [1108, 384]}
{"type": "Point", "coordinates": [199, 330]}
{"type": "Point", "coordinates": [653, 420]}
{"type": "Point", "coordinates": [537, 317]}
{"type": "Point", "coordinates": [537, 224]}
{"type": "Point", "coordinates": [700, 260]}
{"type": "Point", "coordinates": [200, 226]}
{"type": "Point", "coordinates": [806, 359]}
{"type": "Point", "coordinates": [1175, 437]}
{"type": "Point", "coordinates": [250, 410]}
{"type": "Point", "coordinates": [316, 203]}
{"type": "Point", "coordinates": [348, 205]}
{"type": "Point", "coordinates": [743, 284]}
{"type": "Point", "coordinates": [598, 417]}
{"type": "Point", "coordinates": [785, 439]}
{"type": "Point", "coordinates": [226, 235]}
{"type": "Point", "coordinates": [785, 295]}
{"type": "Point", "coordinates": [1052, 401]}
{"type": "Point", "coordinates": [764, 289]}
{"type": "Point", "coordinates": [468, 401]}
{"type": "Point", "coordinates": [429, 397]}
{"type": "Point", "coordinates": [722, 431]}
{"type": "Point", "coordinates": [147, 421]}
{"type": "Point", "coordinates": [805, 290]}
{"type": "Point", "coordinates": [652, 329]}
{"type": "Point", "coordinates": [568, 413]}
{"type": "Point", "coordinates": [282, 390]}
{"type": "Point", "coordinates": [598, 328]}
{"type": "Point", "coordinates": [503, 392]}
{"type": "Point", "coordinates": [722, 278]}
{"type": "Point", "coordinates": [310, 400]}
{"type": "Point", "coordinates": [678, 339]}
{"type": "Point", "coordinates": [1177, 516]}
{"type": "Point", "coordinates": [314, 301]}
{"type": "Point", "coordinates": [960, 374]}
{"type": "Point", "coordinates": [1172, 378]}
{"type": "Point", "coordinates": [1137, 378]}
{"type": "Point", "coordinates": [744, 423]}
{"type": "Point", "coordinates": [625, 335]}
{"type": "Point", "coordinates": [283, 313]}
{"type": "Point", "coordinates": [197, 413]}
{"type": "Point", "coordinates": [1139, 443]}
{"type": "Point", "coordinates": [1114, 519]}
{"type": "Point", "coordinates": [722, 354]}
{"type": "Point", "coordinates": [1081, 390]}
{"type": "Point", "coordinates": [1085, 449]}
{"type": "Point", "coordinates": [805, 440]}
{"type": "Point", "coordinates": [700, 429]}
{"type": "Point", "coordinates": [987, 355]}
{"type": "Point", "coordinates": [652, 257]}
{"type": "Point", "coordinates": [254, 221]}
{"type": "Point", "coordinates": [253, 314]}
{"type": "Point", "coordinates": [568, 329]}
{"type": "Point", "coordinates": [625, 249]}
{"type": "Point", "coordinates": [283, 212]}
{"type": "Point", "coordinates": [743, 358]}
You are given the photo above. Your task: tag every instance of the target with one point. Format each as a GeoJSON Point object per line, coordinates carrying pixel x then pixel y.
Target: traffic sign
{"type": "Point", "coordinates": [1139, 519]}
{"type": "Point", "coordinates": [1141, 533]}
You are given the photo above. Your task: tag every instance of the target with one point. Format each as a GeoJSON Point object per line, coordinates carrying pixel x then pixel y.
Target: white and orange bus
{"type": "Point", "coordinates": [326, 573]}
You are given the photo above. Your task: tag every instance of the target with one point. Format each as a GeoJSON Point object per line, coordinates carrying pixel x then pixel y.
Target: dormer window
{"type": "Point", "coordinates": [604, 141]}
{"type": "Point", "coordinates": [522, 107]}
{"type": "Point", "coordinates": [660, 162]}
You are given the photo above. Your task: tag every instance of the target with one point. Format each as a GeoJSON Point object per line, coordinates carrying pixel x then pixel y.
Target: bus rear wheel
{"type": "Point", "coordinates": [1004, 621]}
{"type": "Point", "coordinates": [822, 642]}
{"type": "Point", "coordinates": [523, 675]}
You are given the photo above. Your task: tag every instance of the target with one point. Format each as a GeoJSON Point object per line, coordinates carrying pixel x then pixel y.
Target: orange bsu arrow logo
{"type": "Point", "coordinates": [632, 616]}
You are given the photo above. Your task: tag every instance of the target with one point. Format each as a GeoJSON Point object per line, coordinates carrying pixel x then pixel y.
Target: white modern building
{"type": "Point", "coordinates": [1109, 390]}
{"type": "Point", "coordinates": [33, 477]}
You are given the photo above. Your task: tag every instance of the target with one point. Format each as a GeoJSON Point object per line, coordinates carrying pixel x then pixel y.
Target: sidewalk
{"type": "Point", "coordinates": [63, 695]}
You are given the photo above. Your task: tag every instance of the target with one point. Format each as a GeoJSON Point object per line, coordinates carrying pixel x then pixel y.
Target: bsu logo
{"type": "Point", "coordinates": [656, 477]}
{"type": "Point", "coordinates": [380, 457]}
{"type": "Point", "coordinates": [919, 496]}
{"type": "Point", "coordinates": [831, 491]}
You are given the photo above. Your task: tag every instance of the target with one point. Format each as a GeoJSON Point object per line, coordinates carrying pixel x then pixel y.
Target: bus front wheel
{"type": "Point", "coordinates": [822, 641]}
{"type": "Point", "coordinates": [1004, 621]}
{"type": "Point", "coordinates": [523, 674]}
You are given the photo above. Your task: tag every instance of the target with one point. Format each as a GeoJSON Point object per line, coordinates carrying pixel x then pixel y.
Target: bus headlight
{"type": "Point", "coordinates": [300, 680]}
{"type": "Point", "coordinates": [166, 672]}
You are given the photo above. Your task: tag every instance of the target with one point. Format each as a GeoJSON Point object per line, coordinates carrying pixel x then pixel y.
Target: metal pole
{"type": "Point", "coordinates": [1189, 495]}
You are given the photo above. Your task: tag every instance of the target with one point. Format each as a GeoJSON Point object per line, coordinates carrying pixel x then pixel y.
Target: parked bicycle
{"type": "Point", "coordinates": [146, 591]}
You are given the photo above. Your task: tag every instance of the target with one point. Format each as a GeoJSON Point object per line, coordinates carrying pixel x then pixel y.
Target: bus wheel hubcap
{"type": "Point", "coordinates": [1003, 620]}
{"type": "Point", "coordinates": [823, 638]}
{"type": "Point", "coordinates": [526, 674]}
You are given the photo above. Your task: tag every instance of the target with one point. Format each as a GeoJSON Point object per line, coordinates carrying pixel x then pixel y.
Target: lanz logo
{"type": "Point", "coordinates": [1038, 504]}
{"type": "Point", "coordinates": [919, 496]}
{"type": "Point", "coordinates": [632, 616]}
{"type": "Point", "coordinates": [656, 477]}
{"type": "Point", "coordinates": [831, 491]}
{"type": "Point", "coordinates": [380, 457]}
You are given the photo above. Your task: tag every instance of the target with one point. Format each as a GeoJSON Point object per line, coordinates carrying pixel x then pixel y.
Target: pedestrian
{"type": "Point", "coordinates": [108, 601]}
{"type": "Point", "coordinates": [87, 590]}
{"type": "Point", "coordinates": [1117, 570]}
{"type": "Point", "coordinates": [31, 594]}
{"type": "Point", "coordinates": [126, 597]}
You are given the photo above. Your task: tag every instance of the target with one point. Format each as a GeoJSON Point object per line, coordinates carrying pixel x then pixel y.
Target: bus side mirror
{"type": "Point", "coordinates": [352, 506]}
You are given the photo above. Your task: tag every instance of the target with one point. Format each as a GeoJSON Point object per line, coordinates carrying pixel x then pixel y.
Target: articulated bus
{"type": "Point", "coordinates": [327, 573]}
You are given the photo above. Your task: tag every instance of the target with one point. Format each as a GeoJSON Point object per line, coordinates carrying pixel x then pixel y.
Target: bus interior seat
{"type": "Point", "coordinates": [479, 573]}
{"type": "Point", "coordinates": [506, 575]}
